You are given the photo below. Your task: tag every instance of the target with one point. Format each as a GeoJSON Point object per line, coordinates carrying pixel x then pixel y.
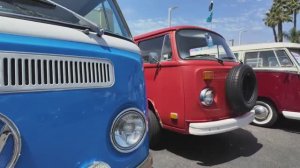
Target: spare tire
{"type": "Point", "coordinates": [241, 88]}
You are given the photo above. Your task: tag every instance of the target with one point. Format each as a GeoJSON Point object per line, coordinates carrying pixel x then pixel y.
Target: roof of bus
{"type": "Point", "coordinates": [165, 30]}
{"type": "Point", "coordinates": [264, 46]}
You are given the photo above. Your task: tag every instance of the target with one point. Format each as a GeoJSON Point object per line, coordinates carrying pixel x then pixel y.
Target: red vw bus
{"type": "Point", "coordinates": [277, 67]}
{"type": "Point", "coordinates": [194, 83]}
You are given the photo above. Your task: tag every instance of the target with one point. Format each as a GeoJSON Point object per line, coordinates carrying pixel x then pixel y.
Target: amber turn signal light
{"type": "Point", "coordinates": [174, 116]}
{"type": "Point", "coordinates": [208, 75]}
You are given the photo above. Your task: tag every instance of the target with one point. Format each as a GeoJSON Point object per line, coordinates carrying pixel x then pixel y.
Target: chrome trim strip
{"type": "Point", "coordinates": [285, 70]}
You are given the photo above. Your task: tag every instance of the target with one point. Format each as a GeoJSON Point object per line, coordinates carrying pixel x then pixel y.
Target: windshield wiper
{"type": "Point", "coordinates": [230, 58]}
{"type": "Point", "coordinates": [206, 55]}
{"type": "Point", "coordinates": [201, 55]}
{"type": "Point", "coordinates": [93, 27]}
{"type": "Point", "coordinates": [43, 2]}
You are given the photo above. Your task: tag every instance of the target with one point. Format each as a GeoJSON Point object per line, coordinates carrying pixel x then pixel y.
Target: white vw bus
{"type": "Point", "coordinates": [277, 67]}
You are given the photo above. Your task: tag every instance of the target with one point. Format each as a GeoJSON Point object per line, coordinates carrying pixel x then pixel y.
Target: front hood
{"type": "Point", "coordinates": [81, 7]}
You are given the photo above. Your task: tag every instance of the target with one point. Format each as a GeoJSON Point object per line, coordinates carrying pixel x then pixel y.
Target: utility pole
{"type": "Point", "coordinates": [170, 15]}
{"type": "Point", "coordinates": [240, 35]}
{"type": "Point", "coordinates": [232, 42]}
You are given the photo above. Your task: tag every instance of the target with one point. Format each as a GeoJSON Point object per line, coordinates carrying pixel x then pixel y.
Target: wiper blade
{"type": "Point", "coordinates": [85, 21]}
{"type": "Point", "coordinates": [231, 58]}
{"type": "Point", "coordinates": [206, 55]}
{"type": "Point", "coordinates": [45, 2]}
{"type": "Point", "coordinates": [201, 55]}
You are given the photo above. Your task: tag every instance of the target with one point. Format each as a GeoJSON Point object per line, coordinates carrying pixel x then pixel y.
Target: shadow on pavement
{"type": "Point", "coordinates": [212, 150]}
{"type": "Point", "coordinates": [288, 125]}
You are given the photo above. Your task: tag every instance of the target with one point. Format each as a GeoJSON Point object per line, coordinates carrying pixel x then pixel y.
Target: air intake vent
{"type": "Point", "coordinates": [21, 72]}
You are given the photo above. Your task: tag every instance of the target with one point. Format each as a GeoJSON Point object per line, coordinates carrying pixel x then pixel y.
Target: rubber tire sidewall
{"type": "Point", "coordinates": [272, 117]}
{"type": "Point", "coordinates": [154, 130]}
{"type": "Point", "coordinates": [234, 89]}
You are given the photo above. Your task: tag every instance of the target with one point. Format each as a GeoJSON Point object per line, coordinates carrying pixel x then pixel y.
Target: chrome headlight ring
{"type": "Point", "coordinates": [207, 97]}
{"type": "Point", "coordinates": [128, 130]}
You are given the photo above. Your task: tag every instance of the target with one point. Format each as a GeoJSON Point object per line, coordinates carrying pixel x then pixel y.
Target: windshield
{"type": "Point", "coordinates": [296, 54]}
{"type": "Point", "coordinates": [43, 10]}
{"type": "Point", "coordinates": [107, 16]}
{"type": "Point", "coordinates": [37, 9]}
{"type": "Point", "coordinates": [200, 44]}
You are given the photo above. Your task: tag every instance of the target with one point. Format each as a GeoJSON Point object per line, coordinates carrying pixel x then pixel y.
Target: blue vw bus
{"type": "Point", "coordinates": [72, 92]}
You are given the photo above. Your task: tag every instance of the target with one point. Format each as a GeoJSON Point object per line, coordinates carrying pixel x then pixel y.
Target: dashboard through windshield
{"type": "Point", "coordinates": [200, 44]}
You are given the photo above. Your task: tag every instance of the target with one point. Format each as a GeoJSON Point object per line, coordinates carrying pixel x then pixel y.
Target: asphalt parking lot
{"type": "Point", "coordinates": [252, 146]}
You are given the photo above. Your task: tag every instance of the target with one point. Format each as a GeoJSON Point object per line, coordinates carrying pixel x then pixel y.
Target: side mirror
{"type": "Point", "coordinates": [153, 58]}
{"type": "Point", "coordinates": [167, 56]}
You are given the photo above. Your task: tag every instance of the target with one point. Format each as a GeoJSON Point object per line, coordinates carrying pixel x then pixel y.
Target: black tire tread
{"type": "Point", "coordinates": [234, 92]}
{"type": "Point", "coordinates": [154, 130]}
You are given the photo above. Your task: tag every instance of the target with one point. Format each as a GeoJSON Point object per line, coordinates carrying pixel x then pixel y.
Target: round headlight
{"type": "Point", "coordinates": [128, 130]}
{"type": "Point", "coordinates": [207, 97]}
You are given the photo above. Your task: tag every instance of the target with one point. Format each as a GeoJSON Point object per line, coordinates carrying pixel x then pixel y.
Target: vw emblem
{"type": "Point", "coordinates": [9, 131]}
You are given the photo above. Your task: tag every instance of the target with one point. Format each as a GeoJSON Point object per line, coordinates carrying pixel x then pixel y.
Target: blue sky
{"type": "Point", "coordinates": [230, 16]}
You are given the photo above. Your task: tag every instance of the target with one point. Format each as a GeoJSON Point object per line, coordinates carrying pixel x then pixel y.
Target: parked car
{"type": "Point", "coordinates": [277, 67]}
{"type": "Point", "coordinates": [71, 94]}
{"type": "Point", "coordinates": [194, 83]}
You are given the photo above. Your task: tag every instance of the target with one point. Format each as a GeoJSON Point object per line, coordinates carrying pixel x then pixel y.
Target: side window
{"type": "Point", "coordinates": [105, 17]}
{"type": "Point", "coordinates": [152, 49]}
{"type": "Point", "coordinates": [284, 59]}
{"type": "Point", "coordinates": [166, 49]}
{"type": "Point", "coordinates": [268, 59]}
{"type": "Point", "coordinates": [251, 58]}
{"type": "Point", "coordinates": [236, 56]}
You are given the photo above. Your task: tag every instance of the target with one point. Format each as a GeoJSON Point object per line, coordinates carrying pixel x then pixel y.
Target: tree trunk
{"type": "Point", "coordinates": [295, 20]}
{"type": "Point", "coordinates": [275, 34]}
{"type": "Point", "coordinates": [280, 34]}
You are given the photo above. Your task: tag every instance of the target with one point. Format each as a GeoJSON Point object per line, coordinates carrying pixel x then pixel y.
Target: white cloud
{"type": "Point", "coordinates": [250, 20]}
{"type": "Point", "coordinates": [226, 25]}
{"type": "Point", "coordinates": [145, 25]}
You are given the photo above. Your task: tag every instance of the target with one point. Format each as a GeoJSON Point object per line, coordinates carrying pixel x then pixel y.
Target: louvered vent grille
{"type": "Point", "coordinates": [40, 72]}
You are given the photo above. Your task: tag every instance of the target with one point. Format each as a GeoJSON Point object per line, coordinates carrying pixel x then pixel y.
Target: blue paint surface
{"type": "Point", "coordinates": [71, 128]}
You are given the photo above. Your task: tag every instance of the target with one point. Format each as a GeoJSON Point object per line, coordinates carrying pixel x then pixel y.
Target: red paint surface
{"type": "Point", "coordinates": [282, 88]}
{"type": "Point", "coordinates": [175, 87]}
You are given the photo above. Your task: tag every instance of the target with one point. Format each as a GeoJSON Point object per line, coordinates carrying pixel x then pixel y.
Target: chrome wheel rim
{"type": "Point", "coordinates": [261, 112]}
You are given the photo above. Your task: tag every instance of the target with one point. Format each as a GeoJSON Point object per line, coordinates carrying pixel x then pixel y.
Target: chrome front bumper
{"type": "Point", "coordinates": [147, 163]}
{"type": "Point", "coordinates": [216, 127]}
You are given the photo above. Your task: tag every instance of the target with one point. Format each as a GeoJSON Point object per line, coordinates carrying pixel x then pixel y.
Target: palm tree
{"type": "Point", "coordinates": [293, 35]}
{"type": "Point", "coordinates": [294, 7]}
{"type": "Point", "coordinates": [271, 22]}
{"type": "Point", "coordinates": [282, 15]}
